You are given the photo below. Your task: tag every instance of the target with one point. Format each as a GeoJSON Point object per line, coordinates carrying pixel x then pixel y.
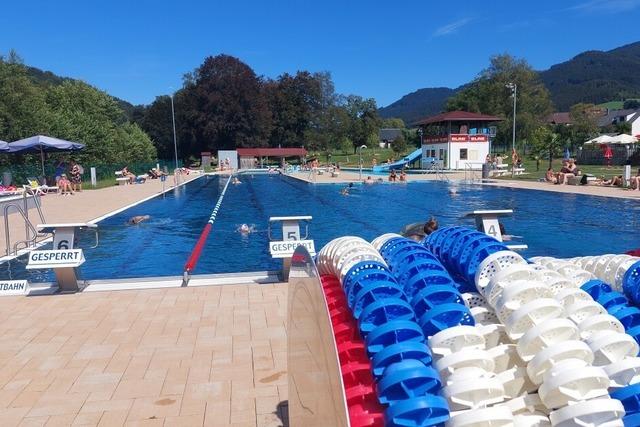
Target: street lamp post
{"type": "Point", "coordinates": [514, 93]}
{"type": "Point", "coordinates": [420, 133]}
{"type": "Point", "coordinates": [175, 140]}
{"type": "Point", "coordinates": [360, 156]}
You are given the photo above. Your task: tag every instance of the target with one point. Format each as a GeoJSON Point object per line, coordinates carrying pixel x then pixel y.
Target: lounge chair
{"type": "Point", "coordinates": [121, 179]}
{"type": "Point", "coordinates": [571, 179]}
{"type": "Point", "coordinates": [34, 187]}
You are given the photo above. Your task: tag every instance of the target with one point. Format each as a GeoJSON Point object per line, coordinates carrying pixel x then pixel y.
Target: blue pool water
{"type": "Point", "coordinates": [552, 224]}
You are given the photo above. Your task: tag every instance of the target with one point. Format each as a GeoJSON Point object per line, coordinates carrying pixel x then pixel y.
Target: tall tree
{"type": "Point", "coordinates": [489, 94]}
{"type": "Point", "coordinates": [363, 114]}
{"type": "Point", "coordinates": [295, 102]}
{"type": "Point", "coordinates": [584, 124]}
{"type": "Point", "coordinates": [546, 144]}
{"type": "Point", "coordinates": [232, 109]}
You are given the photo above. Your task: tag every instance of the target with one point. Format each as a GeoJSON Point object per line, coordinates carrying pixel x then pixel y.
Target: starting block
{"type": "Point", "coordinates": [64, 258]}
{"type": "Point", "coordinates": [487, 222]}
{"type": "Point", "coordinates": [291, 239]}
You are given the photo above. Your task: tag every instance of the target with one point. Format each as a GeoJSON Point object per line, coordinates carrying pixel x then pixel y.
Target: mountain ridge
{"type": "Point", "coordinates": [592, 76]}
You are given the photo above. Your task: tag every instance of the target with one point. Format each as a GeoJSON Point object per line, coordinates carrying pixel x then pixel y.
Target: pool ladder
{"type": "Point", "coordinates": [470, 174]}
{"type": "Point", "coordinates": [439, 171]}
{"type": "Point", "coordinates": [31, 234]}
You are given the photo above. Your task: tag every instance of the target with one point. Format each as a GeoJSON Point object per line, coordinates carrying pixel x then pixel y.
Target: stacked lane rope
{"type": "Point", "coordinates": [620, 273]}
{"type": "Point", "coordinates": [562, 352]}
{"type": "Point", "coordinates": [400, 361]}
{"type": "Point", "coordinates": [462, 331]}
{"type": "Point", "coordinates": [355, 368]}
{"type": "Point", "coordinates": [466, 342]}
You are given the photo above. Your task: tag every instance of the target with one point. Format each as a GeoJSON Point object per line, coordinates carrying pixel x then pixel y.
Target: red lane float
{"type": "Point", "coordinates": [355, 367]}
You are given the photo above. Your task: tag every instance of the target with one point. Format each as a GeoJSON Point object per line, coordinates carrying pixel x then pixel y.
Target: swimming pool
{"type": "Point", "coordinates": [552, 224]}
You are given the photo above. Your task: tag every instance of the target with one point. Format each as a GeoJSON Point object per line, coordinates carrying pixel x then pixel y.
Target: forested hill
{"type": "Point", "coordinates": [593, 77]}
{"type": "Point", "coordinates": [416, 105]}
{"type": "Point", "coordinates": [45, 78]}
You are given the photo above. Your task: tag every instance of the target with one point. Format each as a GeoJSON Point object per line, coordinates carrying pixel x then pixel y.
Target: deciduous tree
{"type": "Point", "coordinates": [488, 94]}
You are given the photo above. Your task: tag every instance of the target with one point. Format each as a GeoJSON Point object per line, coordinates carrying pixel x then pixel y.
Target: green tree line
{"type": "Point", "coordinates": [224, 104]}
{"type": "Point", "coordinates": [70, 110]}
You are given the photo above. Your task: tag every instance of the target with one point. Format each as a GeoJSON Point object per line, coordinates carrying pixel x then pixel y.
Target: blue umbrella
{"type": "Point", "coordinates": [567, 154]}
{"type": "Point", "coordinates": [40, 143]}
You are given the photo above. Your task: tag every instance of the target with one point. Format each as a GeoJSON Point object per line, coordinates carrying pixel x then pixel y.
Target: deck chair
{"type": "Point", "coordinates": [34, 187]}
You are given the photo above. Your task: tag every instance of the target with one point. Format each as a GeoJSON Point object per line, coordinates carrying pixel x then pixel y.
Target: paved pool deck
{"type": "Point", "coordinates": [203, 356]}
{"type": "Point", "coordinates": [346, 177]}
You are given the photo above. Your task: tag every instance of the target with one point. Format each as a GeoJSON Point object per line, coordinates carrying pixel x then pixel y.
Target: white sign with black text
{"type": "Point", "coordinates": [284, 249]}
{"type": "Point", "coordinates": [55, 259]}
{"type": "Point", "coordinates": [13, 287]}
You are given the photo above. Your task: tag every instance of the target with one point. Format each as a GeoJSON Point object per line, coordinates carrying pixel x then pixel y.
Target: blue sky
{"type": "Point", "coordinates": [138, 49]}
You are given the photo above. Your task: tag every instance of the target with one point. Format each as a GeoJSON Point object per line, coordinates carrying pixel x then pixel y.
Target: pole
{"type": "Point", "coordinates": [42, 160]}
{"type": "Point", "coordinates": [513, 142]}
{"type": "Point", "coordinates": [360, 164]}
{"type": "Point", "coordinates": [175, 141]}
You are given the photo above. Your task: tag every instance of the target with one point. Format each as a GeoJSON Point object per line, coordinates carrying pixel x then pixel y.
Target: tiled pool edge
{"type": "Point", "coordinates": [144, 283]}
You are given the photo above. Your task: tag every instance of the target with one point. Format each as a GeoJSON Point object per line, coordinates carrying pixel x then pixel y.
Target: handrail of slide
{"type": "Point", "coordinates": [190, 265]}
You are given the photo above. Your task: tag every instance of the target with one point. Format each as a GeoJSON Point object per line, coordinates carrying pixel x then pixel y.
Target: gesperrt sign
{"type": "Point", "coordinates": [13, 287]}
{"type": "Point", "coordinates": [286, 248]}
{"type": "Point", "coordinates": [55, 259]}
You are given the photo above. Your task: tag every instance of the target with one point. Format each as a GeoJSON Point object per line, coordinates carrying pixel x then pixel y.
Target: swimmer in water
{"type": "Point", "coordinates": [235, 180]}
{"type": "Point", "coordinates": [345, 190]}
{"type": "Point", "coordinates": [245, 229]}
{"type": "Point", "coordinates": [138, 219]}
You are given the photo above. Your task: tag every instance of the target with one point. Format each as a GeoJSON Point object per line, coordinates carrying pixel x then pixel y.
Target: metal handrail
{"type": "Point", "coordinates": [470, 174]}
{"type": "Point", "coordinates": [28, 227]}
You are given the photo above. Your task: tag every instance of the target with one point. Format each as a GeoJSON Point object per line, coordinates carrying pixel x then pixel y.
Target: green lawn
{"type": "Point", "coordinates": [351, 160]}
{"type": "Point", "coordinates": [532, 175]}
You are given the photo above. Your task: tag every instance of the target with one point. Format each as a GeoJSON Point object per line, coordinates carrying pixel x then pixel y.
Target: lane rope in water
{"type": "Point", "coordinates": [190, 265]}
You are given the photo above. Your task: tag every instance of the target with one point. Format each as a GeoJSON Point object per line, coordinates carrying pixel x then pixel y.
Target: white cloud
{"type": "Point", "coordinates": [451, 28]}
{"type": "Point", "coordinates": [607, 6]}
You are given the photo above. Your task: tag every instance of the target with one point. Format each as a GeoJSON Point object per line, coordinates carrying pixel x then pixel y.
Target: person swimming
{"type": "Point", "coordinates": [134, 220]}
{"type": "Point", "coordinates": [235, 180]}
{"type": "Point", "coordinates": [245, 229]}
{"type": "Point", "coordinates": [345, 190]}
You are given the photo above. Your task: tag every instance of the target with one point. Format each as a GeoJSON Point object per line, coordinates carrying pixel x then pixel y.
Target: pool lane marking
{"type": "Point", "coordinates": [190, 265]}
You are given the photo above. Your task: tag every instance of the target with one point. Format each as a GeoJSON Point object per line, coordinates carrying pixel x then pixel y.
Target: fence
{"type": "Point", "coordinates": [20, 172]}
{"type": "Point", "coordinates": [620, 154]}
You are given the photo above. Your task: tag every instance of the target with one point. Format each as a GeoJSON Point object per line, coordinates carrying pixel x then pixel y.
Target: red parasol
{"type": "Point", "coordinates": [608, 154]}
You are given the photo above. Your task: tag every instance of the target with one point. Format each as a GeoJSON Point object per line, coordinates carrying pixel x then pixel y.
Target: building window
{"type": "Point", "coordinates": [441, 157]}
{"type": "Point", "coordinates": [463, 154]}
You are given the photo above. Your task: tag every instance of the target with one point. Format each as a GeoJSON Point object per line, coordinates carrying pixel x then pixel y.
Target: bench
{"type": "Point", "coordinates": [518, 171]}
{"type": "Point", "coordinates": [499, 172]}
{"type": "Point", "coordinates": [121, 180]}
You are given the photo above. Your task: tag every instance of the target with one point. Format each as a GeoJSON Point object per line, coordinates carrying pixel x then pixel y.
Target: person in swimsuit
{"type": "Point", "coordinates": [134, 220]}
